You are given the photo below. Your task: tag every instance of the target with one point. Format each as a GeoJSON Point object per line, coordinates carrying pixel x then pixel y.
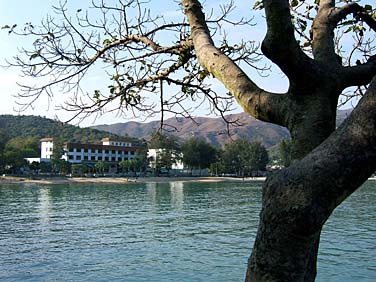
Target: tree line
{"type": "Point", "coordinates": [237, 158]}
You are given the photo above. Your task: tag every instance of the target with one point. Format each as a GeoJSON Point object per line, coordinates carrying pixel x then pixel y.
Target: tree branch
{"type": "Point", "coordinates": [323, 47]}
{"type": "Point", "coordinates": [359, 75]}
{"type": "Point", "coordinates": [261, 104]}
{"type": "Point", "coordinates": [353, 8]}
{"type": "Point", "coordinates": [280, 45]}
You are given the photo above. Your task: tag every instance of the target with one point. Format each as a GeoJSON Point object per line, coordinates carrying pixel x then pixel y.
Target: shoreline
{"type": "Point", "coordinates": [128, 180]}
{"type": "Point", "coordinates": [123, 180]}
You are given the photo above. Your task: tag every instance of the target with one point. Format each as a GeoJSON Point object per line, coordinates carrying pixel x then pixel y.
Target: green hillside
{"type": "Point", "coordinates": [39, 127]}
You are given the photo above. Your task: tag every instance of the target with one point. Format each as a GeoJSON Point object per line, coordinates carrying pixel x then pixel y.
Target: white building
{"type": "Point", "coordinates": [46, 149]}
{"type": "Point", "coordinates": [111, 151]}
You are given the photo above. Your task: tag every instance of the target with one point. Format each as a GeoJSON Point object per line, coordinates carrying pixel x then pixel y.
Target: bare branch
{"type": "Point", "coordinates": [360, 74]}
{"type": "Point", "coordinates": [123, 41]}
{"type": "Point", "coordinates": [355, 9]}
{"type": "Point", "coordinates": [280, 44]}
{"type": "Point", "coordinates": [254, 100]}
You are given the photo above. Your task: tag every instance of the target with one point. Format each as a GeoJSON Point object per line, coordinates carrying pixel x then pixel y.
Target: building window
{"type": "Point", "coordinates": [78, 157]}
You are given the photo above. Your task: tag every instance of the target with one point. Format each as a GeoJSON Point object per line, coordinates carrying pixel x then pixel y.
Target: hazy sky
{"type": "Point", "coordinates": [22, 11]}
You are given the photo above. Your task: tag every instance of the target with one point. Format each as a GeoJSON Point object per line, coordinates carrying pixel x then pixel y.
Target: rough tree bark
{"type": "Point", "coordinates": [297, 201]}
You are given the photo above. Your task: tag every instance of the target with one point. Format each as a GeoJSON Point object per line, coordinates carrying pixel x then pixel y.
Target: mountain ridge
{"type": "Point", "coordinates": [213, 130]}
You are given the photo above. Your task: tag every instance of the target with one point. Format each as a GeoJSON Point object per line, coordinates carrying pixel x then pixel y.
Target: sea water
{"type": "Point", "coordinates": [162, 232]}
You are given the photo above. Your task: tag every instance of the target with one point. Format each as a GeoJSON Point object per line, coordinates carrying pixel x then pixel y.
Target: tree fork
{"type": "Point", "coordinates": [298, 200]}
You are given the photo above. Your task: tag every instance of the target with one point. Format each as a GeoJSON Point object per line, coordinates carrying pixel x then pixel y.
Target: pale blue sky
{"type": "Point", "coordinates": [22, 11]}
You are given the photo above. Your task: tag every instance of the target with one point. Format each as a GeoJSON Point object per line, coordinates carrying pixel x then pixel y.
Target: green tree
{"type": "Point", "coordinates": [242, 157]}
{"type": "Point", "coordinates": [39, 127]}
{"type": "Point", "coordinates": [303, 38]}
{"type": "Point", "coordinates": [168, 150]}
{"type": "Point", "coordinates": [101, 167]}
{"type": "Point", "coordinates": [14, 160]}
{"type": "Point", "coordinates": [217, 168]}
{"type": "Point", "coordinates": [3, 140]}
{"type": "Point", "coordinates": [125, 165]}
{"type": "Point", "coordinates": [61, 166]}
{"type": "Point", "coordinates": [164, 141]}
{"type": "Point", "coordinates": [166, 158]}
{"type": "Point", "coordinates": [231, 156]}
{"type": "Point", "coordinates": [45, 167]}
{"type": "Point", "coordinates": [19, 148]}
{"type": "Point", "coordinates": [284, 150]}
{"type": "Point", "coordinates": [132, 165]}
{"type": "Point", "coordinates": [57, 163]}
{"type": "Point", "coordinates": [141, 160]}
{"type": "Point", "coordinates": [79, 169]}
{"type": "Point", "coordinates": [257, 157]}
{"type": "Point", "coordinates": [198, 154]}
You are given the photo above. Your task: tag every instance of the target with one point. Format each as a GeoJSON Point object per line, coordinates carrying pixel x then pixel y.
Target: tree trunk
{"type": "Point", "coordinates": [298, 200]}
{"type": "Point", "coordinates": [311, 120]}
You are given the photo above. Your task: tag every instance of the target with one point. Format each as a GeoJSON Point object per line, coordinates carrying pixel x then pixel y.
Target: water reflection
{"type": "Point", "coordinates": [161, 232]}
{"type": "Point", "coordinates": [45, 208]}
{"type": "Point", "coordinates": [160, 195]}
{"type": "Point", "coordinates": [177, 195]}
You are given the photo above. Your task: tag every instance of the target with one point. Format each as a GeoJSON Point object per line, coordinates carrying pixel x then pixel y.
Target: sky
{"type": "Point", "coordinates": [23, 11]}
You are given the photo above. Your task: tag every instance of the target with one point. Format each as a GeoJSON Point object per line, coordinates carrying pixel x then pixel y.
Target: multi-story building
{"type": "Point", "coordinates": [111, 151]}
{"type": "Point", "coordinates": [46, 149]}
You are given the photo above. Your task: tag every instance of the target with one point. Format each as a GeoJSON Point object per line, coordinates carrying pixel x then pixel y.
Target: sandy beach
{"type": "Point", "coordinates": [125, 180]}
{"type": "Point", "coordinates": [121, 180]}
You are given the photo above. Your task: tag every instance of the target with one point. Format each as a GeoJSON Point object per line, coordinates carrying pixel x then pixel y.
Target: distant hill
{"type": "Point", "coordinates": [39, 127]}
{"type": "Point", "coordinates": [212, 130]}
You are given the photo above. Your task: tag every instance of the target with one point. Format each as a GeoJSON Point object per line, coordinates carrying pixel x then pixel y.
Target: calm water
{"type": "Point", "coordinates": [161, 232]}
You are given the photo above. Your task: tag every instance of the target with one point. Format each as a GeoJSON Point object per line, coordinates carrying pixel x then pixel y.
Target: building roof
{"type": "Point", "coordinates": [48, 139]}
{"type": "Point", "coordinates": [124, 139]}
{"type": "Point", "coordinates": [101, 147]}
